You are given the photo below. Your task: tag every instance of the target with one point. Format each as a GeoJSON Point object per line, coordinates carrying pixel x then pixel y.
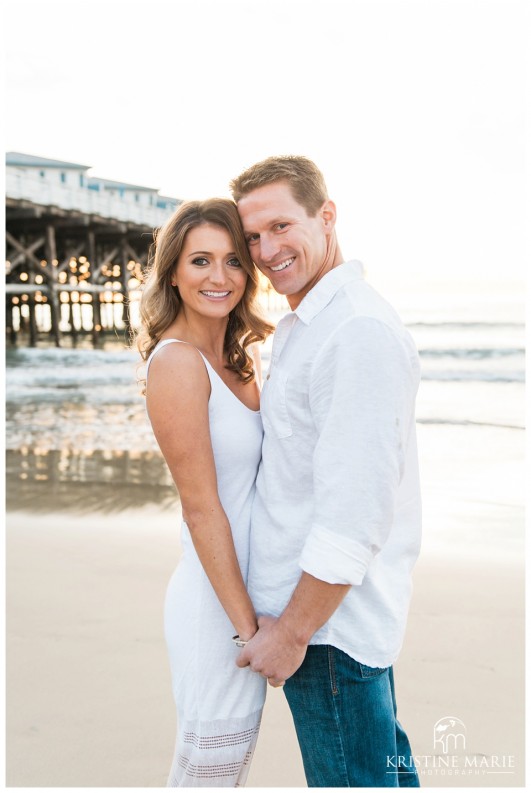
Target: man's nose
{"type": "Point", "coordinates": [269, 248]}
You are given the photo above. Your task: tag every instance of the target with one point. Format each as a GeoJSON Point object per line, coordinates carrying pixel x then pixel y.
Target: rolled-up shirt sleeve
{"type": "Point", "coordinates": [361, 400]}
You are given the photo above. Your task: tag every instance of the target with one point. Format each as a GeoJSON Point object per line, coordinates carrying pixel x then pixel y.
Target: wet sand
{"type": "Point", "coordinates": [89, 700]}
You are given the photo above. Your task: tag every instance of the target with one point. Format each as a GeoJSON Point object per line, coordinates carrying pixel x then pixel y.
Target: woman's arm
{"type": "Point", "coordinates": [177, 396]}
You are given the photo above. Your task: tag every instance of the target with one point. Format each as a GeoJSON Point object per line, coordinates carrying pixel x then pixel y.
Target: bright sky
{"type": "Point", "coordinates": [414, 111]}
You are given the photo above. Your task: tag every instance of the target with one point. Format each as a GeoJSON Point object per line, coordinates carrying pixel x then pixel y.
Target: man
{"type": "Point", "coordinates": [336, 518]}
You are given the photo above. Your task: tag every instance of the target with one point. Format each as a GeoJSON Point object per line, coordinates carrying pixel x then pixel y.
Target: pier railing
{"type": "Point", "coordinates": [23, 185]}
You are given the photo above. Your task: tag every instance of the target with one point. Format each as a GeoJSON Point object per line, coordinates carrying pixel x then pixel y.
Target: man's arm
{"type": "Point", "coordinates": [279, 647]}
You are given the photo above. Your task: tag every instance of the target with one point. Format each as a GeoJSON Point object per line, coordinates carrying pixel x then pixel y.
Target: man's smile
{"type": "Point", "coordinates": [282, 266]}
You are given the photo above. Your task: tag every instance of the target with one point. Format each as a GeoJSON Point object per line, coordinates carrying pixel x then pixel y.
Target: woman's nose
{"type": "Point", "coordinates": [217, 274]}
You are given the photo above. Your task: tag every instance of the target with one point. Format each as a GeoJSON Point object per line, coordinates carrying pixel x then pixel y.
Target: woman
{"type": "Point", "coordinates": [199, 321]}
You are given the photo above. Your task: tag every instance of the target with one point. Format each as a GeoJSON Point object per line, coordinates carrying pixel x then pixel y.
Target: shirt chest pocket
{"type": "Point", "coordinates": [275, 413]}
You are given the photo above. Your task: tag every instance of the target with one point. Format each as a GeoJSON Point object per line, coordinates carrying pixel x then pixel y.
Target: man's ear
{"type": "Point", "coordinates": [328, 214]}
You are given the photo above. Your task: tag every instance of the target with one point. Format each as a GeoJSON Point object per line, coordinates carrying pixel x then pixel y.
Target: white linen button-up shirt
{"type": "Point", "coordinates": [338, 492]}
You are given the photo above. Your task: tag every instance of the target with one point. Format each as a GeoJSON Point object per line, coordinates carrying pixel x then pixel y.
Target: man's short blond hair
{"type": "Point", "coordinates": [304, 178]}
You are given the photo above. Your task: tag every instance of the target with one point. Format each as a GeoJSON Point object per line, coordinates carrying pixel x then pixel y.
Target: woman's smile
{"type": "Point", "coordinates": [214, 295]}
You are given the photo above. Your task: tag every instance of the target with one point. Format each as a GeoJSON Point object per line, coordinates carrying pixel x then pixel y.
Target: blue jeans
{"type": "Point", "coordinates": [345, 717]}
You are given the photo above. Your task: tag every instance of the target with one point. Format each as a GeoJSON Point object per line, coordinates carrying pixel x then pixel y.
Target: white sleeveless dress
{"type": "Point", "coordinates": [219, 706]}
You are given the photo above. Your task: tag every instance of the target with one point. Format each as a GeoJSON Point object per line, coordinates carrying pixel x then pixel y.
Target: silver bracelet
{"type": "Point", "coordinates": [239, 642]}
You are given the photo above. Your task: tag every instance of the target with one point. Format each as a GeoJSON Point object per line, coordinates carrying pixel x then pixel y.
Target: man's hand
{"type": "Point", "coordinates": [278, 648]}
{"type": "Point", "coordinates": [273, 652]}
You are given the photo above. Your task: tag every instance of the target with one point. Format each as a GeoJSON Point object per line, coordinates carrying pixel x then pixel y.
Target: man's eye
{"type": "Point", "coordinates": [200, 260]}
{"type": "Point", "coordinates": [281, 226]}
{"type": "Point", "coordinates": [252, 238]}
{"type": "Point", "coordinates": [234, 262]}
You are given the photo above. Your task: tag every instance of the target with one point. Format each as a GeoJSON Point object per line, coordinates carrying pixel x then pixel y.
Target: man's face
{"type": "Point", "coordinates": [289, 247]}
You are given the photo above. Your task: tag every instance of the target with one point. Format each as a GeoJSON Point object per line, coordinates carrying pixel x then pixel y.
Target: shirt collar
{"type": "Point", "coordinates": [325, 289]}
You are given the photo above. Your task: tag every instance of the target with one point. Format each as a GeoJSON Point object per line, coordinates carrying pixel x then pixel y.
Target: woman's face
{"type": "Point", "coordinates": [209, 275]}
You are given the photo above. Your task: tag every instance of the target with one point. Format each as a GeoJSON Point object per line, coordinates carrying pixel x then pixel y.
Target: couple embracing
{"type": "Point", "coordinates": [300, 499]}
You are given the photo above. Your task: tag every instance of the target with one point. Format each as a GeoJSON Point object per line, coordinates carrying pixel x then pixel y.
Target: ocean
{"type": "Point", "coordinates": [77, 433]}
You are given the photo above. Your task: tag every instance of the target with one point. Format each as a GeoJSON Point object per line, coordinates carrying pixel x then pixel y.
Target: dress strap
{"type": "Point", "coordinates": [159, 346]}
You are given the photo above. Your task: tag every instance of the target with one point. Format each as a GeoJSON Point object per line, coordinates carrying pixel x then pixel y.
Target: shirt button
{"type": "Point", "coordinates": [268, 376]}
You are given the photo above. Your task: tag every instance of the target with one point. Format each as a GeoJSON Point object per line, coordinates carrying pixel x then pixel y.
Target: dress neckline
{"type": "Point", "coordinates": [162, 342]}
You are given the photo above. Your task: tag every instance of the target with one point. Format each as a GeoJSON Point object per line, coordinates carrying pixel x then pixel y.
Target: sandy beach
{"type": "Point", "coordinates": [89, 699]}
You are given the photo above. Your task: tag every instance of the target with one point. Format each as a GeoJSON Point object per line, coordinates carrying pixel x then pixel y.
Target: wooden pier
{"type": "Point", "coordinates": [59, 264]}
{"type": "Point", "coordinates": [75, 257]}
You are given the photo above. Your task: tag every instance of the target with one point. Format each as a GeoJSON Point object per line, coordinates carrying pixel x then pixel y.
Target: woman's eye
{"type": "Point", "coordinates": [234, 262]}
{"type": "Point", "coordinates": [200, 260]}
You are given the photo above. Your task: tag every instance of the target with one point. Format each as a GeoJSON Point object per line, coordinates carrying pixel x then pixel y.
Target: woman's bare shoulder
{"type": "Point", "coordinates": [178, 365]}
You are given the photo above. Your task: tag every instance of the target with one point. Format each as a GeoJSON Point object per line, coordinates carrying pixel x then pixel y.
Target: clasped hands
{"type": "Point", "coordinates": [272, 652]}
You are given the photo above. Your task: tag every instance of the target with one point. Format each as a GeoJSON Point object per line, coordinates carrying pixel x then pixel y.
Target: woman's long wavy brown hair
{"type": "Point", "coordinates": [161, 303]}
